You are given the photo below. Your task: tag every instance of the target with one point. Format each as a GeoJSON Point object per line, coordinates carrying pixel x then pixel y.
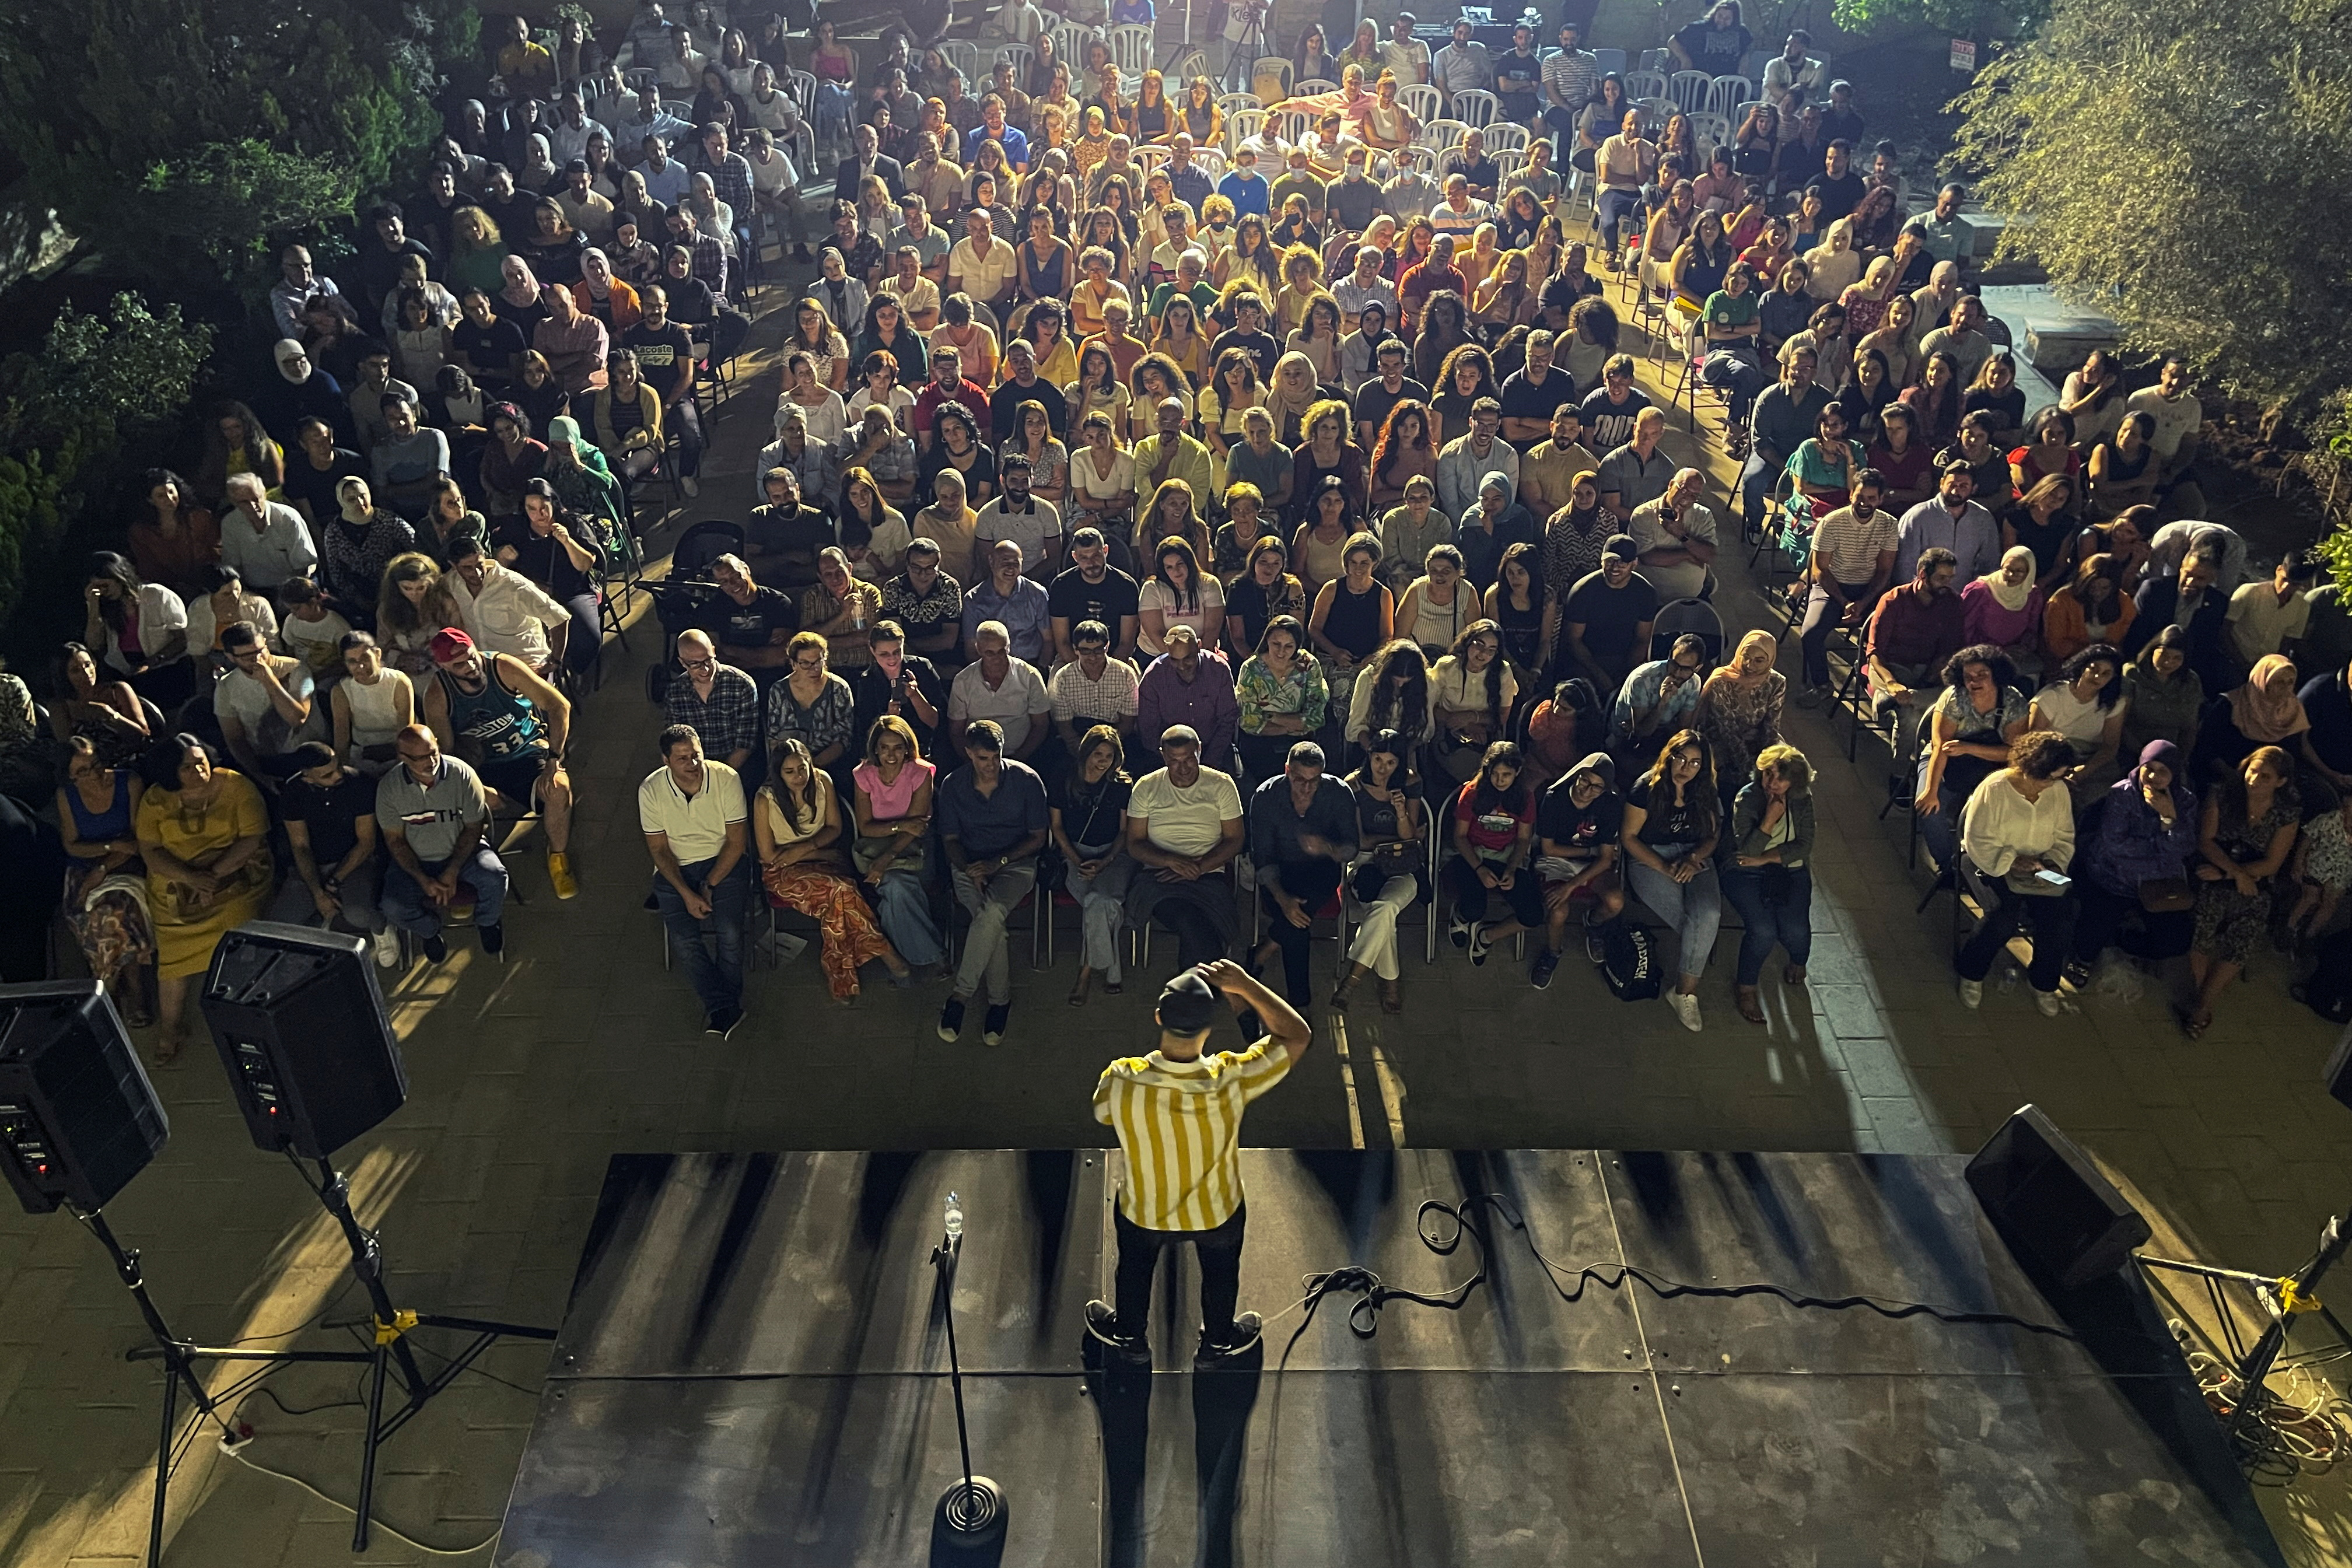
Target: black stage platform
{"type": "Point", "coordinates": [753, 1373]}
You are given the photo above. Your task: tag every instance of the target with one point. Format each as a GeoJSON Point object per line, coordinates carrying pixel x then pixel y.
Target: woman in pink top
{"type": "Point", "coordinates": [894, 815]}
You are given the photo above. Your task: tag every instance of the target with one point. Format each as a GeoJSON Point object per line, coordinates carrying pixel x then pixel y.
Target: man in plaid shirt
{"type": "Point", "coordinates": [730, 175]}
{"type": "Point", "coordinates": [720, 701]}
{"type": "Point", "coordinates": [707, 258]}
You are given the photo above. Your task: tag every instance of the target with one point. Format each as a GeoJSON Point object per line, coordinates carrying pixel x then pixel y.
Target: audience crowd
{"type": "Point", "coordinates": [1212, 510]}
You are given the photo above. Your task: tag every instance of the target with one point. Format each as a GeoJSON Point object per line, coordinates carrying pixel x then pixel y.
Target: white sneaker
{"type": "Point", "coordinates": [690, 485]}
{"type": "Point", "coordinates": [1685, 1007]}
{"type": "Point", "coordinates": [387, 949]}
{"type": "Point", "coordinates": [1971, 993]}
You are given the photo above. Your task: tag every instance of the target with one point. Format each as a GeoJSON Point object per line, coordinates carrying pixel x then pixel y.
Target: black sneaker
{"type": "Point", "coordinates": [992, 1028]}
{"type": "Point", "coordinates": [1102, 1324]}
{"type": "Point", "coordinates": [723, 1021]}
{"type": "Point", "coordinates": [1479, 944]}
{"type": "Point", "coordinates": [494, 941]}
{"type": "Point", "coordinates": [436, 948]}
{"type": "Point", "coordinates": [1248, 1327]}
{"type": "Point", "coordinates": [1459, 932]}
{"type": "Point", "coordinates": [951, 1020]}
{"type": "Point", "coordinates": [1546, 962]}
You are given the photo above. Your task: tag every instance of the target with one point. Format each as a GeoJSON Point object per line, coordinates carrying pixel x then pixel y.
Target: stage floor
{"type": "Point", "coordinates": [752, 1371]}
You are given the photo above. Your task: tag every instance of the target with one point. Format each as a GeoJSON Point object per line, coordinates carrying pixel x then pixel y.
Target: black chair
{"type": "Point", "coordinates": [702, 544]}
{"type": "Point", "coordinates": [1680, 617]}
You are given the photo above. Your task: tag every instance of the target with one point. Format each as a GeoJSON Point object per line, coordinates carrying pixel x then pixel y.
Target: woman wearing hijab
{"type": "Point", "coordinates": [1292, 394]}
{"type": "Point", "coordinates": [304, 392]}
{"type": "Point", "coordinates": [2136, 860]}
{"type": "Point", "coordinates": [356, 546]}
{"type": "Point", "coordinates": [1740, 711]}
{"type": "Point", "coordinates": [583, 481]}
{"type": "Point", "coordinates": [2003, 607]}
{"type": "Point", "coordinates": [2265, 712]}
{"type": "Point", "coordinates": [519, 299]}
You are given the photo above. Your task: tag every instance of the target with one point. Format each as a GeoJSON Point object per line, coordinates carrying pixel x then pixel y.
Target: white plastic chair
{"type": "Point", "coordinates": [1211, 160]}
{"type": "Point", "coordinates": [1148, 159]}
{"type": "Point", "coordinates": [1422, 101]}
{"type": "Point", "coordinates": [802, 85]}
{"type": "Point", "coordinates": [1420, 157]}
{"type": "Point", "coordinates": [1131, 47]}
{"type": "Point", "coordinates": [1293, 125]}
{"type": "Point", "coordinates": [1023, 59]}
{"type": "Point", "coordinates": [1689, 89]}
{"type": "Point", "coordinates": [1312, 85]}
{"type": "Point", "coordinates": [1739, 113]}
{"type": "Point", "coordinates": [1500, 138]}
{"type": "Point", "coordinates": [1070, 41]}
{"type": "Point", "coordinates": [1442, 135]}
{"type": "Point", "coordinates": [1476, 106]}
{"type": "Point", "coordinates": [1272, 64]}
{"type": "Point", "coordinates": [1657, 112]}
{"type": "Point", "coordinates": [1709, 131]}
{"type": "Point", "coordinates": [1657, 59]}
{"type": "Point", "coordinates": [964, 55]}
{"type": "Point", "coordinates": [1227, 103]}
{"type": "Point", "coordinates": [1241, 124]}
{"type": "Point", "coordinates": [1643, 84]}
{"type": "Point", "coordinates": [1726, 93]}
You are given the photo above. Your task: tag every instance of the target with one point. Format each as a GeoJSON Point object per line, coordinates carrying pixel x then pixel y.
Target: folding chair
{"type": "Point", "coordinates": [1682, 617]}
{"type": "Point", "coordinates": [1037, 901]}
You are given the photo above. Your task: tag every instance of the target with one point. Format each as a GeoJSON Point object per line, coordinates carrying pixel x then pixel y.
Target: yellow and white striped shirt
{"type": "Point", "coordinates": [1180, 1123]}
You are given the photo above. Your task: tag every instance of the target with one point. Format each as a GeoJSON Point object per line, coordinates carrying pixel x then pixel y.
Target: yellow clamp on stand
{"type": "Point", "coordinates": [2290, 1301]}
{"type": "Point", "coordinates": [402, 1322]}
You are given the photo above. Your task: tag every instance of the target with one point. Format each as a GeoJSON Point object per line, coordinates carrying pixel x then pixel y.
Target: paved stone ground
{"type": "Point", "coordinates": [526, 1075]}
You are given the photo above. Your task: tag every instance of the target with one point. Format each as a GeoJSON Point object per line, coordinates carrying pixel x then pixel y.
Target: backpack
{"type": "Point", "coordinates": [1628, 963]}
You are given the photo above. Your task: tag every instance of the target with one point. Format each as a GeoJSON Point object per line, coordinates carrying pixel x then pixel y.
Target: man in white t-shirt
{"type": "Point", "coordinates": [1183, 828]}
{"type": "Point", "coordinates": [2179, 417]}
{"type": "Point", "coordinates": [982, 266]}
{"type": "Point", "coordinates": [1028, 520]}
{"type": "Point", "coordinates": [2270, 618]}
{"type": "Point", "coordinates": [693, 815]}
{"type": "Point", "coordinates": [997, 686]}
{"type": "Point", "coordinates": [267, 705]}
{"type": "Point", "coordinates": [1675, 535]}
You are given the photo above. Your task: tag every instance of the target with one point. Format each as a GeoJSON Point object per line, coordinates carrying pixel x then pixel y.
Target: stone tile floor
{"type": "Point", "coordinates": [526, 1075]}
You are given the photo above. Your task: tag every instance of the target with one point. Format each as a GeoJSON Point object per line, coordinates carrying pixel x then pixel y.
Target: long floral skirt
{"type": "Point", "coordinates": [850, 936]}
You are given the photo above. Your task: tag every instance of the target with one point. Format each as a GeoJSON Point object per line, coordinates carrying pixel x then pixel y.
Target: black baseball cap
{"type": "Point", "coordinates": [1187, 1004]}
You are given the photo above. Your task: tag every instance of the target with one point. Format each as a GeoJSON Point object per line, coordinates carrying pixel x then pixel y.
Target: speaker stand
{"type": "Point", "coordinates": [179, 1357]}
{"type": "Point", "coordinates": [391, 1325]}
{"type": "Point", "coordinates": [2281, 1299]}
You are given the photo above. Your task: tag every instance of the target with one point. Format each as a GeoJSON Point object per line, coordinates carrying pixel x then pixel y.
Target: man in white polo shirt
{"type": "Point", "coordinates": [692, 813]}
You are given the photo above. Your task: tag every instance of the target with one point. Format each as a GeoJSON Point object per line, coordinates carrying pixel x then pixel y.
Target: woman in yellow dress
{"type": "Point", "coordinates": [204, 834]}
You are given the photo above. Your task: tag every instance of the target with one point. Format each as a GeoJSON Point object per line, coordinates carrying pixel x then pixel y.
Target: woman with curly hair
{"type": "Point", "coordinates": [1156, 378]}
{"type": "Point", "coordinates": [1403, 452]}
{"type": "Point", "coordinates": [1466, 376]}
{"type": "Point", "coordinates": [1444, 326]}
{"type": "Point", "coordinates": [1252, 259]}
{"type": "Point", "coordinates": [1326, 450]}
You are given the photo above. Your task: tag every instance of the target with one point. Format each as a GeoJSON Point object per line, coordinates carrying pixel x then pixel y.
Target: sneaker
{"type": "Point", "coordinates": [1459, 930]}
{"type": "Point", "coordinates": [1685, 1007]}
{"type": "Point", "coordinates": [2048, 1004]}
{"type": "Point", "coordinates": [1971, 993]}
{"type": "Point", "coordinates": [1813, 696]}
{"type": "Point", "coordinates": [1546, 962]}
{"type": "Point", "coordinates": [558, 873]}
{"type": "Point", "coordinates": [690, 485]}
{"type": "Point", "coordinates": [387, 948]}
{"type": "Point", "coordinates": [992, 1028]}
{"type": "Point", "coordinates": [951, 1020]}
{"type": "Point", "coordinates": [723, 1021]}
{"type": "Point", "coordinates": [494, 941]}
{"type": "Point", "coordinates": [1596, 941]}
{"type": "Point", "coordinates": [1479, 944]}
{"type": "Point", "coordinates": [436, 948]}
{"type": "Point", "coordinates": [1102, 1325]}
{"type": "Point", "coordinates": [1247, 1329]}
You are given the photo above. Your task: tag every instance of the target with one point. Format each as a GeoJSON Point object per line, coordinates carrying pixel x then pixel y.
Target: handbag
{"type": "Point", "coordinates": [2166, 895]}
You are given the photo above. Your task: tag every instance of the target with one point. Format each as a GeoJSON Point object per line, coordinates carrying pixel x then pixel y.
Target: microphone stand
{"type": "Point", "coordinates": [971, 1514]}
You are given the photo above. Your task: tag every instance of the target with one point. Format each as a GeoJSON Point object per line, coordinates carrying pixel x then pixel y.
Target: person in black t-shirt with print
{"type": "Point", "coordinates": [1577, 825]}
{"type": "Point", "coordinates": [329, 810]}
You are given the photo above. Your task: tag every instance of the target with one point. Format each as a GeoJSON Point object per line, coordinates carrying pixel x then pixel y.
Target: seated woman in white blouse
{"type": "Point", "coordinates": [1178, 593]}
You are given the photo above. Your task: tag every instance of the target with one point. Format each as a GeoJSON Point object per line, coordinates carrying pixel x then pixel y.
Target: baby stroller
{"type": "Point", "coordinates": [683, 599]}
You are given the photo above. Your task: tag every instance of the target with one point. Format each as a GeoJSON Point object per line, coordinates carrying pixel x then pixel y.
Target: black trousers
{"type": "Point", "coordinates": [2106, 918]}
{"type": "Point", "coordinates": [2048, 921]}
{"type": "Point", "coordinates": [1312, 883]}
{"type": "Point", "coordinates": [1220, 1251]}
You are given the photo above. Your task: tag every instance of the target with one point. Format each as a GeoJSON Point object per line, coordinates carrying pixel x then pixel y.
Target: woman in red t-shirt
{"type": "Point", "coordinates": [1494, 831]}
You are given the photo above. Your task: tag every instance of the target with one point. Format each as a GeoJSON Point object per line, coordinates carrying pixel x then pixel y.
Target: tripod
{"type": "Point", "coordinates": [1242, 48]}
{"type": "Point", "coordinates": [390, 1352]}
{"type": "Point", "coordinates": [2281, 1300]}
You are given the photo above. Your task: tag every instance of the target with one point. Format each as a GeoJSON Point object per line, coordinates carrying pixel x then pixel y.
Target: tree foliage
{"type": "Point", "coordinates": [1979, 19]}
{"type": "Point", "coordinates": [184, 138]}
{"type": "Point", "coordinates": [2182, 169]}
{"type": "Point", "coordinates": [69, 412]}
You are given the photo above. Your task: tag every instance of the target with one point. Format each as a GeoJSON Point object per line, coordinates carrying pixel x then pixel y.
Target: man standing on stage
{"type": "Point", "coordinates": [1178, 1119]}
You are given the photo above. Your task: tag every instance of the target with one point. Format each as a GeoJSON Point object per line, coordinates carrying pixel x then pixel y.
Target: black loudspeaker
{"type": "Point", "coordinates": [301, 1027]}
{"type": "Point", "coordinates": [78, 1117]}
{"type": "Point", "coordinates": [2065, 1220]}
{"type": "Point", "coordinates": [2340, 1069]}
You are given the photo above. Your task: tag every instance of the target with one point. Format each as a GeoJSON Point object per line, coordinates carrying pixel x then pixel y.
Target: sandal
{"type": "Point", "coordinates": [2194, 1021]}
{"type": "Point", "coordinates": [1391, 996]}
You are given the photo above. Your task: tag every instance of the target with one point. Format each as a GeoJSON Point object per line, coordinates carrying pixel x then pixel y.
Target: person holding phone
{"type": "Point", "coordinates": [2018, 830]}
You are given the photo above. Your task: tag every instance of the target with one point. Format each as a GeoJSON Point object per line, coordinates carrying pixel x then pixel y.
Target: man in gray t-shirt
{"type": "Point", "coordinates": [432, 810]}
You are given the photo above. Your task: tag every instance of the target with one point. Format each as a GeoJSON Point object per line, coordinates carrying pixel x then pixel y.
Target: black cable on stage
{"type": "Point", "coordinates": [1453, 1222]}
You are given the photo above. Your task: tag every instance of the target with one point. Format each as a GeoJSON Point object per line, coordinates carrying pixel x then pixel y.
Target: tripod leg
{"type": "Point", "coordinates": [367, 1450]}
{"type": "Point", "coordinates": [163, 1462]}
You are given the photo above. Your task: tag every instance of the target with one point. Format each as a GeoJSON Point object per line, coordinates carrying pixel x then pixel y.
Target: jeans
{"type": "Point", "coordinates": [903, 910]}
{"type": "Point", "coordinates": [1788, 923]}
{"type": "Point", "coordinates": [1617, 203]}
{"type": "Point", "coordinates": [1695, 909]}
{"type": "Point", "coordinates": [718, 981]}
{"type": "Point", "coordinates": [984, 956]}
{"type": "Point", "coordinates": [1375, 946]}
{"type": "Point", "coordinates": [1102, 909]}
{"type": "Point", "coordinates": [2050, 921]}
{"type": "Point", "coordinates": [404, 904]}
{"type": "Point", "coordinates": [1220, 1252]}
{"type": "Point", "coordinates": [682, 418]}
{"type": "Point", "coordinates": [1820, 620]}
{"type": "Point", "coordinates": [1740, 374]}
{"type": "Point", "coordinates": [1312, 883]}
{"type": "Point", "coordinates": [1756, 477]}
{"type": "Point", "coordinates": [358, 895]}
{"type": "Point", "coordinates": [587, 638]}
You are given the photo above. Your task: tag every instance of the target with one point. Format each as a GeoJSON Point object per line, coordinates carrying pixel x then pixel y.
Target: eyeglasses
{"type": "Point", "coordinates": [697, 663]}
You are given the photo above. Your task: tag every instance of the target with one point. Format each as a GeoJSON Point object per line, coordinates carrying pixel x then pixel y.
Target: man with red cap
{"type": "Point", "coordinates": [515, 725]}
